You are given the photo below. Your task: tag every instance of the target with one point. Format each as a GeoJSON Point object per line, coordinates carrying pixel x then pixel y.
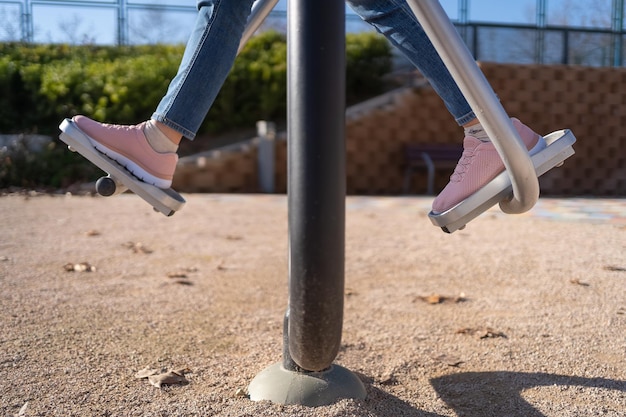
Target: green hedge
{"type": "Point", "coordinates": [40, 85]}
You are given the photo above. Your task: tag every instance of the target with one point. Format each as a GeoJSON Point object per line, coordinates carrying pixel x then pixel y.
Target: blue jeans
{"type": "Point", "coordinates": [208, 58]}
{"type": "Point", "coordinates": [212, 48]}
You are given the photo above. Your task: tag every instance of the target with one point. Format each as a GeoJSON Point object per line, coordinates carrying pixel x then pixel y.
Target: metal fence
{"type": "Point", "coordinates": [141, 21]}
{"type": "Point", "coordinates": [546, 45]}
{"type": "Point", "coordinates": [119, 22]}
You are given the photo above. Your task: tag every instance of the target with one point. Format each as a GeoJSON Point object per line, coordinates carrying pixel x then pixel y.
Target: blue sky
{"type": "Point", "coordinates": [79, 24]}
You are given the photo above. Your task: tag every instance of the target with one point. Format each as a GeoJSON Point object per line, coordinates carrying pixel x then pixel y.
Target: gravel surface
{"type": "Point", "coordinates": [513, 316]}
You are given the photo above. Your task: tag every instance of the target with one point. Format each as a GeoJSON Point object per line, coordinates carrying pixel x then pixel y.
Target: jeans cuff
{"type": "Point", "coordinates": [466, 118]}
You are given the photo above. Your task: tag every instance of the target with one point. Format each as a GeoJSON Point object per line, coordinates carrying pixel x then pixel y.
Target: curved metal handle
{"type": "Point", "coordinates": [483, 101]}
{"type": "Point", "coordinates": [260, 11]}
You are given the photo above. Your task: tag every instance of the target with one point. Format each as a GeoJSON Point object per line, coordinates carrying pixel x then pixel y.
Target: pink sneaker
{"type": "Point", "coordinates": [479, 164]}
{"type": "Point", "coordinates": [128, 146]}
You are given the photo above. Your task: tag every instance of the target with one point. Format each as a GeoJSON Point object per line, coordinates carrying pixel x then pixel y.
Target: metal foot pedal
{"type": "Point", "coordinates": [558, 149]}
{"type": "Point", "coordinates": [118, 179]}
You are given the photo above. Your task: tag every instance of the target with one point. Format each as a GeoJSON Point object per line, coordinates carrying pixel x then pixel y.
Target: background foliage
{"type": "Point", "coordinates": [40, 85]}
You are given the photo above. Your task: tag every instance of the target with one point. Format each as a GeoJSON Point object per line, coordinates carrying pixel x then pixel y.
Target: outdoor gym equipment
{"type": "Point", "coordinates": [517, 188]}
{"type": "Point", "coordinates": [316, 202]}
{"type": "Point", "coordinates": [118, 179]}
{"type": "Point", "coordinates": [316, 188]}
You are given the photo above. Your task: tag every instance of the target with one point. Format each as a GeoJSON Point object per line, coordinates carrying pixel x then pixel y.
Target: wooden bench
{"type": "Point", "coordinates": [431, 157]}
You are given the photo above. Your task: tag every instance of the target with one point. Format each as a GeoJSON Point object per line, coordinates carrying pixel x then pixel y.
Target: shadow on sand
{"type": "Point", "coordinates": [484, 394]}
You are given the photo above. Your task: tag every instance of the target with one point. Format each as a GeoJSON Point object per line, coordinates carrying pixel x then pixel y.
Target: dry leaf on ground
{"type": "Point", "coordinates": [167, 378]}
{"type": "Point", "coordinates": [80, 267]}
{"type": "Point", "coordinates": [177, 275]}
{"type": "Point", "coordinates": [388, 379]}
{"type": "Point", "coordinates": [163, 377]}
{"type": "Point", "coordinates": [137, 247]}
{"type": "Point", "coordinates": [449, 360]}
{"type": "Point", "coordinates": [439, 299]}
{"type": "Point", "coordinates": [482, 333]}
{"type": "Point", "coordinates": [22, 411]}
{"type": "Point", "coordinates": [182, 273]}
{"type": "Point", "coordinates": [146, 372]}
{"type": "Point", "coordinates": [241, 393]}
{"type": "Point", "coordinates": [615, 268]}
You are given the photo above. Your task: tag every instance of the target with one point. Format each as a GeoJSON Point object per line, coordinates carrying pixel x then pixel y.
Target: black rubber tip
{"type": "Point", "coordinates": [105, 186]}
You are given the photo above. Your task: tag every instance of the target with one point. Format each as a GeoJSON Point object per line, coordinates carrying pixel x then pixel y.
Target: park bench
{"type": "Point", "coordinates": [431, 157]}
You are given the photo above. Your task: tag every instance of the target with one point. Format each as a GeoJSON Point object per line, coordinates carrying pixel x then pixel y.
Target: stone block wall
{"type": "Point", "coordinates": [589, 101]}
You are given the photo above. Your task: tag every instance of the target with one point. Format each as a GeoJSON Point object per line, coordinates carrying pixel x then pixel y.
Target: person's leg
{"type": "Point", "coordinates": [207, 60]}
{"type": "Point", "coordinates": [395, 20]}
{"type": "Point", "coordinates": [480, 162]}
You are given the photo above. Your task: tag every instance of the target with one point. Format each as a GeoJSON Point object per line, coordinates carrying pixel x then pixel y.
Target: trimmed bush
{"type": "Point", "coordinates": [42, 84]}
{"type": "Point", "coordinates": [368, 58]}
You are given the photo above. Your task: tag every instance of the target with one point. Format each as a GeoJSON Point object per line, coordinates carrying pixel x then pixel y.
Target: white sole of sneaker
{"type": "Point", "coordinates": [166, 201]}
{"type": "Point", "coordinates": [539, 146]}
{"type": "Point", "coordinates": [130, 165]}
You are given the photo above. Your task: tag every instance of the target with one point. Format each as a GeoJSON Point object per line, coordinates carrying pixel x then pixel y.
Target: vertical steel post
{"type": "Point", "coordinates": [27, 22]}
{"type": "Point", "coordinates": [266, 159]}
{"type": "Point", "coordinates": [122, 23]}
{"type": "Point", "coordinates": [316, 188]}
{"type": "Point", "coordinates": [618, 30]}
{"type": "Point", "coordinates": [540, 44]}
{"type": "Point", "coordinates": [463, 18]}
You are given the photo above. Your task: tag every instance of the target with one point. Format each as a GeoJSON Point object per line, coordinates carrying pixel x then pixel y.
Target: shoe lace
{"type": "Point", "coordinates": [463, 165]}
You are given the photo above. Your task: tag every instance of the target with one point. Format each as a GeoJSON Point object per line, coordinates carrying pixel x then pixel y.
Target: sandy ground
{"type": "Point", "coordinates": [531, 320]}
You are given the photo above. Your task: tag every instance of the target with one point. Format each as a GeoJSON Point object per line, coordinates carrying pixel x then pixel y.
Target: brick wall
{"type": "Point", "coordinates": [589, 101]}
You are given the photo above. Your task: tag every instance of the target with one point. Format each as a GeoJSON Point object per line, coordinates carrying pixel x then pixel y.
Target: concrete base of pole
{"type": "Point", "coordinates": [311, 389]}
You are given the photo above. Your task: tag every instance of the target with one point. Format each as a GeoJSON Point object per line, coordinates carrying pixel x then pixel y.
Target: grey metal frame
{"type": "Point", "coordinates": [316, 192]}
{"type": "Point", "coordinates": [483, 101]}
{"type": "Point", "coordinates": [317, 189]}
{"type": "Point", "coordinates": [260, 11]}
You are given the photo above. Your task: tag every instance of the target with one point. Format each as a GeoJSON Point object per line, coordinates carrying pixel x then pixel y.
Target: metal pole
{"type": "Point", "coordinates": [266, 136]}
{"type": "Point", "coordinates": [463, 18]}
{"type": "Point", "coordinates": [122, 23]}
{"type": "Point", "coordinates": [260, 11]}
{"type": "Point", "coordinates": [541, 29]}
{"type": "Point", "coordinates": [316, 188]}
{"type": "Point", "coordinates": [316, 200]}
{"type": "Point", "coordinates": [483, 101]}
{"type": "Point", "coordinates": [27, 22]}
{"type": "Point", "coordinates": [565, 52]}
{"type": "Point", "coordinates": [618, 29]}
{"type": "Point", "coordinates": [464, 11]}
